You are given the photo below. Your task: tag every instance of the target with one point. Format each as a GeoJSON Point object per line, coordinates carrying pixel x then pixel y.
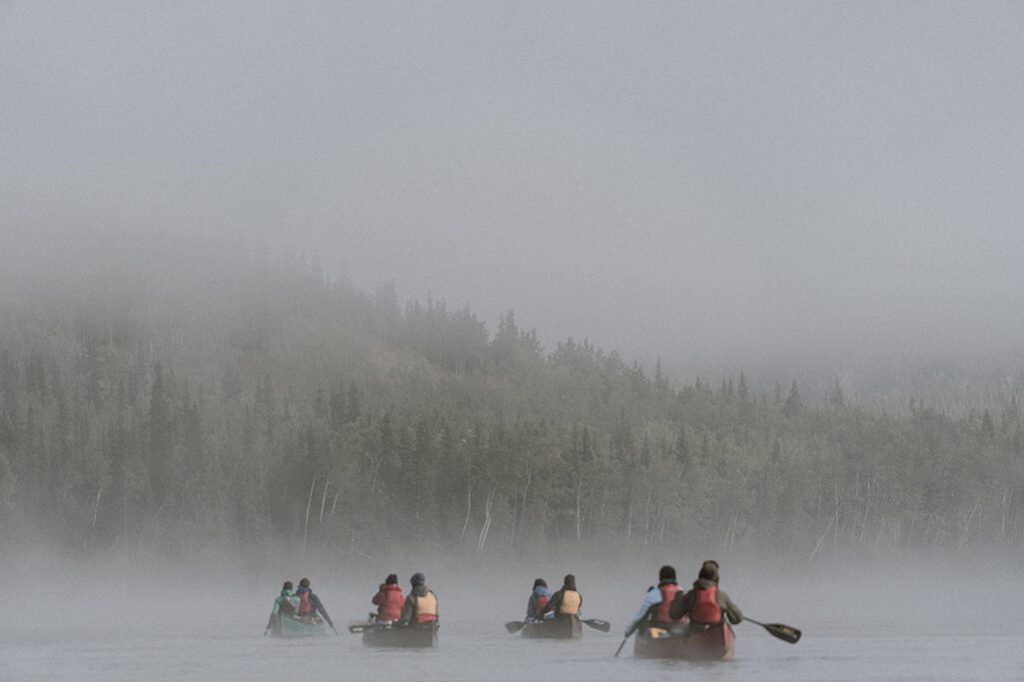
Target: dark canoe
{"type": "Point", "coordinates": [291, 626]}
{"type": "Point", "coordinates": [561, 627]}
{"type": "Point", "coordinates": [415, 635]}
{"type": "Point", "coordinates": [691, 642]}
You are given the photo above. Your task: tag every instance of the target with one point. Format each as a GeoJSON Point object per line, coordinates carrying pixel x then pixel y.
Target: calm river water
{"type": "Point", "coordinates": [853, 630]}
{"type": "Point", "coordinates": [217, 648]}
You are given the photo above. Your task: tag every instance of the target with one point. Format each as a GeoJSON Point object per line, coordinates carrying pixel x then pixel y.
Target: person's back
{"type": "Point", "coordinates": [421, 604]}
{"type": "Point", "coordinates": [389, 600]}
{"type": "Point", "coordinates": [705, 604]}
{"type": "Point", "coordinates": [567, 601]}
{"type": "Point", "coordinates": [539, 598]}
{"type": "Point", "coordinates": [286, 602]}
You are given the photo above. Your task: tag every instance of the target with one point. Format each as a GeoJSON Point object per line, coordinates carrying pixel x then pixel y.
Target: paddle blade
{"type": "Point", "coordinates": [514, 626]}
{"type": "Point", "coordinates": [598, 624]}
{"type": "Point", "coordinates": [783, 632]}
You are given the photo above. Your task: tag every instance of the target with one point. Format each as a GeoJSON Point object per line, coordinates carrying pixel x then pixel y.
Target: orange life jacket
{"type": "Point", "coordinates": [424, 606]}
{"type": "Point", "coordinates": [705, 609]}
{"type": "Point", "coordinates": [668, 593]}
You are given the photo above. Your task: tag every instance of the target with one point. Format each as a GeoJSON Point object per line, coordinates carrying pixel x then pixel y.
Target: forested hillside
{"type": "Point", "coordinates": [196, 402]}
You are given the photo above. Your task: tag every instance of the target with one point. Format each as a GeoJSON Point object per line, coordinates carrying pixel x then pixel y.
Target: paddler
{"type": "Point", "coordinates": [654, 610]}
{"type": "Point", "coordinates": [389, 600]}
{"type": "Point", "coordinates": [310, 604]}
{"type": "Point", "coordinates": [539, 598]}
{"type": "Point", "coordinates": [421, 604]}
{"type": "Point", "coordinates": [705, 603]}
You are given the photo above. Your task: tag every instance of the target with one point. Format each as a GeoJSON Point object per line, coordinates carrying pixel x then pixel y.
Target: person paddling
{"type": "Point", "coordinates": [310, 604]}
{"type": "Point", "coordinates": [389, 600]}
{"type": "Point", "coordinates": [654, 610]}
{"type": "Point", "coordinates": [421, 604]}
{"type": "Point", "coordinates": [705, 604]}
{"type": "Point", "coordinates": [539, 598]}
{"type": "Point", "coordinates": [566, 601]}
{"type": "Point", "coordinates": [285, 603]}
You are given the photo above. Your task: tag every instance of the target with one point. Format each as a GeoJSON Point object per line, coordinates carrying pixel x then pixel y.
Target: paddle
{"type": "Point", "coordinates": [629, 633]}
{"type": "Point", "coordinates": [779, 631]}
{"type": "Point", "coordinates": [596, 623]}
{"type": "Point", "coordinates": [514, 626]}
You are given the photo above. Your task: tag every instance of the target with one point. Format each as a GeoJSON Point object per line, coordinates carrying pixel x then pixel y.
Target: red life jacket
{"type": "Point", "coordinates": [539, 604]}
{"type": "Point", "coordinates": [705, 609]}
{"type": "Point", "coordinates": [389, 602]}
{"type": "Point", "coordinates": [668, 593]}
{"type": "Point", "coordinates": [304, 607]}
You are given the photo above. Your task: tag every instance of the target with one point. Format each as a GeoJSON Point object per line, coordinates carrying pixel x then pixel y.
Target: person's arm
{"type": "Point", "coordinates": [732, 612]}
{"type": "Point", "coordinates": [318, 606]}
{"type": "Point", "coordinates": [407, 609]}
{"type": "Point", "coordinates": [378, 598]}
{"type": "Point", "coordinates": [651, 599]}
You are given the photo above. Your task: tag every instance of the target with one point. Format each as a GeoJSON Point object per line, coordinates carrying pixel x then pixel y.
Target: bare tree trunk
{"type": "Point", "coordinates": [469, 507]}
{"type": "Point", "coordinates": [579, 511]}
{"type": "Point", "coordinates": [309, 503]}
{"type": "Point", "coordinates": [323, 502]}
{"type": "Point", "coordinates": [487, 520]}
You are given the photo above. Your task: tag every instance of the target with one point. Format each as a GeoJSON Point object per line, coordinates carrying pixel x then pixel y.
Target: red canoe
{"type": "Point", "coordinates": [691, 642]}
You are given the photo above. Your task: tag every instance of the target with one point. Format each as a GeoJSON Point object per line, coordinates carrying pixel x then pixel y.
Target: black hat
{"type": "Point", "coordinates": [570, 581]}
{"type": "Point", "coordinates": [539, 582]}
{"type": "Point", "coordinates": [417, 579]}
{"type": "Point", "coordinates": [667, 573]}
{"type": "Point", "coordinates": [392, 579]}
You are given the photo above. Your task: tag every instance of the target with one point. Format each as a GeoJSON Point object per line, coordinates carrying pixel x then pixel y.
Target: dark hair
{"type": "Point", "coordinates": [392, 579]}
{"type": "Point", "coordinates": [304, 582]}
{"type": "Point", "coordinates": [709, 570]}
{"type": "Point", "coordinates": [287, 585]}
{"type": "Point", "coordinates": [539, 582]}
{"type": "Point", "coordinates": [667, 573]}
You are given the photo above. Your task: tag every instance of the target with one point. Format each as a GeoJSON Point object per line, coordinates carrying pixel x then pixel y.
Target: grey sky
{"type": "Point", "coordinates": [710, 180]}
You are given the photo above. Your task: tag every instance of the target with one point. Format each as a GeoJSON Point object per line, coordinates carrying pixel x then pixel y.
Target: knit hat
{"type": "Point", "coordinates": [709, 570]}
{"type": "Point", "coordinates": [418, 579]}
{"type": "Point", "coordinates": [304, 582]}
{"type": "Point", "coordinates": [539, 582]}
{"type": "Point", "coordinates": [666, 573]}
{"type": "Point", "coordinates": [392, 579]}
{"type": "Point", "coordinates": [570, 581]}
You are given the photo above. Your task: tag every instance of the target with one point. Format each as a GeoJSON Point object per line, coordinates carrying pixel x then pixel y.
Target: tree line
{"type": "Point", "coordinates": [271, 406]}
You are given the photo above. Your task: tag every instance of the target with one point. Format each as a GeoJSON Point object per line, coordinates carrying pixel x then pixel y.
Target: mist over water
{"type": "Point", "coordinates": [504, 291]}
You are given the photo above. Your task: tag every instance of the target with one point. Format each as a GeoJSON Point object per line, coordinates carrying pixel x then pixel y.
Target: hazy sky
{"type": "Point", "coordinates": [707, 179]}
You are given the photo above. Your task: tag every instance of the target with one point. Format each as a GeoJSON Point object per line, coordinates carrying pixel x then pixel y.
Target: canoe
{"type": "Point", "coordinates": [414, 635]}
{"type": "Point", "coordinates": [291, 626]}
{"type": "Point", "coordinates": [561, 627]}
{"type": "Point", "coordinates": [689, 642]}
